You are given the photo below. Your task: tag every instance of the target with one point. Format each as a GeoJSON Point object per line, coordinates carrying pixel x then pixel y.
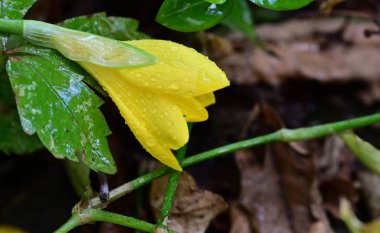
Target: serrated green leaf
{"type": "Point", "coordinates": [216, 1]}
{"type": "Point", "coordinates": [15, 9]}
{"type": "Point", "coordinates": [192, 15]}
{"type": "Point", "coordinates": [282, 5]}
{"type": "Point", "coordinates": [54, 102]}
{"type": "Point", "coordinates": [118, 28]}
{"type": "Point", "coordinates": [12, 138]}
{"type": "Point", "coordinates": [240, 19]}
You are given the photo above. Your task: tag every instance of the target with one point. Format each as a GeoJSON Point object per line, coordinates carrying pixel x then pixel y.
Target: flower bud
{"type": "Point", "coordinates": [85, 47]}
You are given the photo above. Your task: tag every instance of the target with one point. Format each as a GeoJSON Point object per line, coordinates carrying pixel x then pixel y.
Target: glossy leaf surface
{"type": "Point", "coordinates": [282, 5]}
{"type": "Point", "coordinates": [192, 15]}
{"type": "Point", "coordinates": [216, 1]}
{"type": "Point", "coordinates": [12, 138]}
{"type": "Point", "coordinates": [55, 103]}
{"type": "Point", "coordinates": [118, 28]}
{"type": "Point", "coordinates": [240, 19]}
{"type": "Point", "coordinates": [14, 9]}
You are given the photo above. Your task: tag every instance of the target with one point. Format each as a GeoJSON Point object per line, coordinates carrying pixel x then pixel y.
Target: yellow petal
{"type": "Point", "coordinates": [179, 70]}
{"type": "Point", "coordinates": [206, 99]}
{"type": "Point", "coordinates": [156, 122]}
{"type": "Point", "coordinates": [10, 229]}
{"type": "Point", "coordinates": [191, 108]}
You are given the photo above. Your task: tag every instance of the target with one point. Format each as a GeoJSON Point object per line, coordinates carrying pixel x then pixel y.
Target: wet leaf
{"type": "Point", "coordinates": [192, 15]}
{"type": "Point", "coordinates": [15, 9]}
{"type": "Point", "coordinates": [54, 102]}
{"type": "Point", "coordinates": [193, 209]}
{"type": "Point", "coordinates": [282, 5]}
{"type": "Point", "coordinates": [12, 138]}
{"type": "Point", "coordinates": [240, 19]}
{"type": "Point", "coordinates": [216, 1]}
{"type": "Point", "coordinates": [118, 28]}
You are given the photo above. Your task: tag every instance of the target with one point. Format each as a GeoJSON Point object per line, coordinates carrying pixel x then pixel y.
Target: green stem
{"type": "Point", "coordinates": [92, 215]}
{"type": "Point", "coordinates": [283, 135]}
{"type": "Point", "coordinates": [73, 222]}
{"type": "Point", "coordinates": [12, 26]}
{"type": "Point", "coordinates": [171, 187]}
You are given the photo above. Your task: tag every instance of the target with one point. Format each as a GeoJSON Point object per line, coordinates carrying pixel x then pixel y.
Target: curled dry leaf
{"type": "Point", "coordinates": [193, 209]}
{"type": "Point", "coordinates": [322, 50]}
{"type": "Point", "coordinates": [279, 187]}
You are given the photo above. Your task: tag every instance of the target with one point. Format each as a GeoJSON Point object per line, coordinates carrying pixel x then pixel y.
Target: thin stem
{"type": "Point", "coordinates": [92, 215]}
{"type": "Point", "coordinates": [11, 26]}
{"type": "Point", "coordinates": [283, 135]}
{"type": "Point", "coordinates": [171, 187]}
{"type": "Point", "coordinates": [73, 222]}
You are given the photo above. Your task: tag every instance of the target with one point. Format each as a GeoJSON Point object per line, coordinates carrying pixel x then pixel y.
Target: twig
{"type": "Point", "coordinates": [92, 215]}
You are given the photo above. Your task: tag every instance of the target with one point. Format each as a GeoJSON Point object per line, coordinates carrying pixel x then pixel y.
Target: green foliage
{"type": "Point", "coordinates": [12, 138]}
{"type": "Point", "coordinates": [14, 9]}
{"type": "Point", "coordinates": [192, 15]}
{"type": "Point", "coordinates": [118, 28]}
{"type": "Point", "coordinates": [216, 1]}
{"type": "Point", "coordinates": [54, 102]}
{"type": "Point", "coordinates": [240, 19]}
{"type": "Point", "coordinates": [282, 5]}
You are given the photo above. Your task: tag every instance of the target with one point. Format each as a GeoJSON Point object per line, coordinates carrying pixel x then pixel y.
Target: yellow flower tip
{"type": "Point", "coordinates": [179, 70]}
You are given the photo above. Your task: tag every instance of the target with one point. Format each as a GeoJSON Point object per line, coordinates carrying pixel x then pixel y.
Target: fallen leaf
{"type": "Point", "coordinates": [308, 49]}
{"type": "Point", "coordinates": [192, 210]}
{"type": "Point", "coordinates": [279, 188]}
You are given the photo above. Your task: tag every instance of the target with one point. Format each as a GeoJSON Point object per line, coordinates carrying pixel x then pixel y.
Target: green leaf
{"type": "Point", "coordinates": [192, 15]}
{"type": "Point", "coordinates": [282, 5]}
{"type": "Point", "coordinates": [12, 138]}
{"type": "Point", "coordinates": [15, 9]}
{"type": "Point", "coordinates": [240, 19]}
{"type": "Point", "coordinates": [118, 28]}
{"type": "Point", "coordinates": [54, 102]}
{"type": "Point", "coordinates": [216, 1]}
{"type": "Point", "coordinates": [364, 151]}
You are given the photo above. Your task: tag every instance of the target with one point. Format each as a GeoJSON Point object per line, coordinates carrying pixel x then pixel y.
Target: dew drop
{"type": "Point", "coordinates": [174, 86]}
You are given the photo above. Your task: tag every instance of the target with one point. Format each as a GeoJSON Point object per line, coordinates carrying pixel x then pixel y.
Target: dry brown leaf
{"type": "Point", "coordinates": [240, 221]}
{"type": "Point", "coordinates": [370, 187]}
{"type": "Point", "coordinates": [309, 49]}
{"type": "Point", "coordinates": [279, 189]}
{"type": "Point", "coordinates": [193, 209]}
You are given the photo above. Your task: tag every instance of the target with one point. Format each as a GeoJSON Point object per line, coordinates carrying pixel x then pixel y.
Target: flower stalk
{"type": "Point", "coordinates": [171, 187]}
{"type": "Point", "coordinates": [93, 215]}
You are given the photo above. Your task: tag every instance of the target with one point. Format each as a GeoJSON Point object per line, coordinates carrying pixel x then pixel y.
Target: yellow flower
{"type": "Point", "coordinates": [156, 100]}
